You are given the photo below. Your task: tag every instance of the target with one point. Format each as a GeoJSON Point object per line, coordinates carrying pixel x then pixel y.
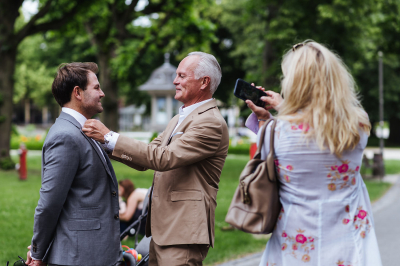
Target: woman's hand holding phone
{"type": "Point", "coordinates": [273, 101]}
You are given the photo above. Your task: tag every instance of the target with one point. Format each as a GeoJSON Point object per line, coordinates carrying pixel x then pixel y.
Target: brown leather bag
{"type": "Point", "coordinates": [255, 206]}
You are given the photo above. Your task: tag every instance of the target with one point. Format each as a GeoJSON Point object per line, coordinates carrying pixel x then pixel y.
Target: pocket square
{"type": "Point", "coordinates": [177, 133]}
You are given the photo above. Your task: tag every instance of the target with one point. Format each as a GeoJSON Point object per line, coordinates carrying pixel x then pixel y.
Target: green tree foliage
{"type": "Point", "coordinates": [262, 31]}
{"type": "Point", "coordinates": [122, 44]}
{"type": "Point", "coordinates": [33, 78]}
{"type": "Point", "coordinates": [52, 14]}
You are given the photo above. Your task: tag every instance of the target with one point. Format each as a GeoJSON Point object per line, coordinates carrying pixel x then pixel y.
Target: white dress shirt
{"type": "Point", "coordinates": [81, 120]}
{"type": "Point", "coordinates": [183, 113]}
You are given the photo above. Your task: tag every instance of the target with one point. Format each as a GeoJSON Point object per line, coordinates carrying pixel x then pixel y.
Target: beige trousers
{"type": "Point", "coordinates": [177, 255]}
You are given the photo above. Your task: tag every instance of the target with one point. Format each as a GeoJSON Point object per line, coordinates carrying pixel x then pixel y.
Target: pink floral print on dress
{"type": "Point", "coordinates": [360, 220]}
{"type": "Point", "coordinates": [342, 263]}
{"type": "Point", "coordinates": [299, 246]}
{"type": "Point", "coordinates": [341, 176]}
{"type": "Point", "coordinates": [304, 127]}
{"type": "Point", "coordinates": [280, 215]}
{"type": "Point", "coordinates": [286, 169]}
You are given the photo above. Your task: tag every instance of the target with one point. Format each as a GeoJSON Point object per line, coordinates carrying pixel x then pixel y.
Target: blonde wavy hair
{"type": "Point", "coordinates": [320, 92]}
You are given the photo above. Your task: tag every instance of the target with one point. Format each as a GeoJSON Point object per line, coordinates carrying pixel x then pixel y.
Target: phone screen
{"type": "Point", "coordinates": [246, 91]}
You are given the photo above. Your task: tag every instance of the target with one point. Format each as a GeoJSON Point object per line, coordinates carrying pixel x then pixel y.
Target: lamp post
{"type": "Point", "coordinates": [381, 166]}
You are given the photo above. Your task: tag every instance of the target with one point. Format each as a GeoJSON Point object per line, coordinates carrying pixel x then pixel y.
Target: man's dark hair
{"type": "Point", "coordinates": [68, 76]}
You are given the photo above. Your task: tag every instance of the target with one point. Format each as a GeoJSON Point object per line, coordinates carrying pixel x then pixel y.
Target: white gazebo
{"type": "Point", "coordinates": [162, 90]}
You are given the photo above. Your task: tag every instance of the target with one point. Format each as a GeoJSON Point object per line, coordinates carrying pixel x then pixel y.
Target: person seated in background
{"type": "Point", "coordinates": [134, 205]}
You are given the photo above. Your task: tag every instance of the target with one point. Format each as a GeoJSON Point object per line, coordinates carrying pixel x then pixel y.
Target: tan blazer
{"type": "Point", "coordinates": [188, 166]}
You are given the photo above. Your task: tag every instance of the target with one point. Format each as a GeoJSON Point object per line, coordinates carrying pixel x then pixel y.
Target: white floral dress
{"type": "Point", "coordinates": [326, 217]}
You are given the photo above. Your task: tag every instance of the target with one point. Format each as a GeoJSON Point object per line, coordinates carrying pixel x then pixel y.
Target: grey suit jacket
{"type": "Point", "coordinates": [76, 220]}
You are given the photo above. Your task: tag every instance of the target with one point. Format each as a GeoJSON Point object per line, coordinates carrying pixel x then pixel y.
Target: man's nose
{"type": "Point", "coordinates": [176, 80]}
{"type": "Point", "coordinates": [102, 93]}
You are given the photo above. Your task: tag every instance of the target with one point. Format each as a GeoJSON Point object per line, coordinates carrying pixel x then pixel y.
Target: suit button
{"type": "Point", "coordinates": [116, 217]}
{"type": "Point", "coordinates": [114, 193]}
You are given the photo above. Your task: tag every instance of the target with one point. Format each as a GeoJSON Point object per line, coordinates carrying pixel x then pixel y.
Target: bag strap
{"type": "Point", "coordinates": [272, 139]}
{"type": "Point", "coordinates": [257, 155]}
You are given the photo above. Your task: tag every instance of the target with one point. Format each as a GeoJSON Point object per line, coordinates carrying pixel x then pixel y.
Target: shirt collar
{"type": "Point", "coordinates": [75, 114]}
{"type": "Point", "coordinates": [187, 110]}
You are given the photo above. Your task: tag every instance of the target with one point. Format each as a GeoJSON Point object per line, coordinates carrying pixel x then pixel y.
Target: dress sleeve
{"type": "Point", "coordinates": [252, 123]}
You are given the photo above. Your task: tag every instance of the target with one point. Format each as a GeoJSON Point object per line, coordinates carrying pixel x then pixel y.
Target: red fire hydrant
{"type": "Point", "coordinates": [22, 151]}
{"type": "Point", "coordinates": [253, 149]}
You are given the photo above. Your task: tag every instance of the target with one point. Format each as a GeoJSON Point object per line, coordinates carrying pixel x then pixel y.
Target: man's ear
{"type": "Point", "coordinates": [77, 93]}
{"type": "Point", "coordinates": [205, 82]}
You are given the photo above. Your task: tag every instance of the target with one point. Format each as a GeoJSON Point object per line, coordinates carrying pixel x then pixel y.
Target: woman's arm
{"type": "Point", "coordinates": [131, 205]}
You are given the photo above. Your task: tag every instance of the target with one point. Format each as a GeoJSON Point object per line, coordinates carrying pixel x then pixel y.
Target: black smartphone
{"type": "Point", "coordinates": [246, 91]}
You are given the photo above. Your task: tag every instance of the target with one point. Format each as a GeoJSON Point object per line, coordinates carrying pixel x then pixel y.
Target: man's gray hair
{"type": "Point", "coordinates": [208, 66]}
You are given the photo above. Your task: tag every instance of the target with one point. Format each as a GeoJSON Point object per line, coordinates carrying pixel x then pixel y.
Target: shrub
{"type": "Point", "coordinates": [31, 143]}
{"type": "Point", "coordinates": [239, 149]}
{"type": "Point", "coordinates": [7, 164]}
{"type": "Point", "coordinates": [155, 135]}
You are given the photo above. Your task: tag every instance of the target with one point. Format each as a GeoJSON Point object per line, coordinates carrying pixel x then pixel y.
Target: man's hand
{"type": "Point", "coordinates": [37, 263]}
{"type": "Point", "coordinates": [28, 256]}
{"type": "Point", "coordinates": [95, 129]}
{"type": "Point", "coordinates": [29, 261]}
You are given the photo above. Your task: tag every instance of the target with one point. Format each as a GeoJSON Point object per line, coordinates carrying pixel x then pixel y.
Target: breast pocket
{"type": "Point", "coordinates": [87, 212]}
{"type": "Point", "coordinates": [84, 225]}
{"type": "Point", "coordinates": [175, 136]}
{"type": "Point", "coordinates": [186, 195]}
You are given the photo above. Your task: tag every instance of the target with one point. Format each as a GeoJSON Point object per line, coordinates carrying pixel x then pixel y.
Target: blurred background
{"type": "Point", "coordinates": [130, 39]}
{"type": "Point", "coordinates": [139, 43]}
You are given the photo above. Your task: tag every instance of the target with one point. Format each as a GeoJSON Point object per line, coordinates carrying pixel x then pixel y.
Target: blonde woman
{"type": "Point", "coordinates": [320, 136]}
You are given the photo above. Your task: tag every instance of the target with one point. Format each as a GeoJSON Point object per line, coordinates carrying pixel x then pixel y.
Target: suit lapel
{"type": "Point", "coordinates": [73, 121]}
{"type": "Point", "coordinates": [199, 110]}
{"type": "Point", "coordinates": [168, 131]}
{"type": "Point", "coordinates": [110, 168]}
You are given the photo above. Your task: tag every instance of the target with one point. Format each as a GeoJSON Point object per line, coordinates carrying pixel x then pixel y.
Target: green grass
{"type": "Point", "coordinates": [19, 199]}
{"type": "Point", "coordinates": [392, 167]}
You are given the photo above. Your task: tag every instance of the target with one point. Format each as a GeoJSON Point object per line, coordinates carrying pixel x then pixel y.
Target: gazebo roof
{"type": "Point", "coordinates": [162, 78]}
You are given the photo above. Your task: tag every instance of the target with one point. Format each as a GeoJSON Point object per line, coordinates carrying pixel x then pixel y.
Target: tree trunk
{"type": "Point", "coordinates": [110, 116]}
{"type": "Point", "coordinates": [7, 67]}
{"type": "Point", "coordinates": [269, 56]}
{"type": "Point", "coordinates": [394, 137]}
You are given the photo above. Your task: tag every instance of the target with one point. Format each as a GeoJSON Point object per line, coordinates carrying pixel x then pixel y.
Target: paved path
{"type": "Point", "coordinates": [387, 217]}
{"type": "Point", "coordinates": [388, 153]}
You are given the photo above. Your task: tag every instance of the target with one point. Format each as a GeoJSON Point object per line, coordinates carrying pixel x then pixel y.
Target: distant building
{"type": "Point", "coordinates": [131, 118]}
{"type": "Point", "coordinates": [162, 91]}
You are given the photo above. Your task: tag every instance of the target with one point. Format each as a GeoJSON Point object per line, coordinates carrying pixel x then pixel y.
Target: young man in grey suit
{"type": "Point", "coordinates": [76, 221]}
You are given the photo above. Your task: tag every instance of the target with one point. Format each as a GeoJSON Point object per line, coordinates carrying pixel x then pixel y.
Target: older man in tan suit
{"type": "Point", "coordinates": [188, 158]}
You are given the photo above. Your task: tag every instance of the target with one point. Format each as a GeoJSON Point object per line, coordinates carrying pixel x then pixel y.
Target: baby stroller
{"type": "Point", "coordinates": [130, 256]}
